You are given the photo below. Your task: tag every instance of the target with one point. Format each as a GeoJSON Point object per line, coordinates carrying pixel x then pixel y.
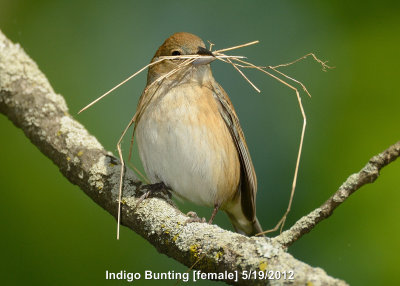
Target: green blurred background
{"type": "Point", "coordinates": [52, 234]}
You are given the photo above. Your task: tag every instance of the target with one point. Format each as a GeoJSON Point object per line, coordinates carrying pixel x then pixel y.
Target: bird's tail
{"type": "Point", "coordinates": [242, 224]}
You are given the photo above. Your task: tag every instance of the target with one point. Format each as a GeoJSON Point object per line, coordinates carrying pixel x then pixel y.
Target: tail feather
{"type": "Point", "coordinates": [241, 224]}
{"type": "Point", "coordinates": [249, 229]}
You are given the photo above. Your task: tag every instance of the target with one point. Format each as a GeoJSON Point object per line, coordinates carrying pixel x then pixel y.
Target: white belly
{"type": "Point", "coordinates": [184, 142]}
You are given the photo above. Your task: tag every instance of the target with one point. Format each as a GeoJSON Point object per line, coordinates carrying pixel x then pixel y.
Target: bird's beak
{"type": "Point", "coordinates": [206, 57]}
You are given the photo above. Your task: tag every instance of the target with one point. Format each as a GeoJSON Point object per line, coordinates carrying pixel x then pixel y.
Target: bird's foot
{"type": "Point", "coordinates": [157, 190]}
{"type": "Point", "coordinates": [193, 217]}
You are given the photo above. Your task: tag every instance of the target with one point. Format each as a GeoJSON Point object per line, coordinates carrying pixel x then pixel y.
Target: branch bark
{"type": "Point", "coordinates": [29, 101]}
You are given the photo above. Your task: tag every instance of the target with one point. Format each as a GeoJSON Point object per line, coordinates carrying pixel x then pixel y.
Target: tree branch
{"type": "Point", "coordinates": [29, 101]}
{"type": "Point", "coordinates": [366, 175]}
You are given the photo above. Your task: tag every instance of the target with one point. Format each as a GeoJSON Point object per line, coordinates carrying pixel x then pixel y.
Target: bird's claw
{"type": "Point", "coordinates": [157, 190]}
{"type": "Point", "coordinates": [193, 217]}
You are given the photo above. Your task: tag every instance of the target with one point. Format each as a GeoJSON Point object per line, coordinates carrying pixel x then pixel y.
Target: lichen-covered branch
{"type": "Point", "coordinates": [29, 101]}
{"type": "Point", "coordinates": [366, 175]}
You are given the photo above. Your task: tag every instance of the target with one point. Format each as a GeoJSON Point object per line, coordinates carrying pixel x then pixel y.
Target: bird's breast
{"type": "Point", "coordinates": [184, 142]}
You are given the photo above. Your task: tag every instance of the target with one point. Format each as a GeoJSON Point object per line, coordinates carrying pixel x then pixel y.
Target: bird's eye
{"type": "Point", "coordinates": [176, 53]}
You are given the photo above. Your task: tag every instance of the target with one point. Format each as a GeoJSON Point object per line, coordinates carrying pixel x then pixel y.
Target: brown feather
{"type": "Point", "coordinates": [248, 180]}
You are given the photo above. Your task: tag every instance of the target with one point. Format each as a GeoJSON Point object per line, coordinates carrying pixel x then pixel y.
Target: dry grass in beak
{"type": "Point", "coordinates": [244, 64]}
{"type": "Point", "coordinates": [238, 63]}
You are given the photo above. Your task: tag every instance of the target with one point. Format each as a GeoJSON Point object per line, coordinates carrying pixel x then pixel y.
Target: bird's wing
{"type": "Point", "coordinates": [248, 174]}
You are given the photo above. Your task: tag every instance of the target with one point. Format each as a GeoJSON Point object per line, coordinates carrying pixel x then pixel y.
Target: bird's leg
{"type": "Point", "coordinates": [195, 218]}
{"type": "Point", "coordinates": [216, 208]}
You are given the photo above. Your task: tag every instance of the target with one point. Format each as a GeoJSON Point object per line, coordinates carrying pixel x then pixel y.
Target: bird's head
{"type": "Point", "coordinates": [181, 44]}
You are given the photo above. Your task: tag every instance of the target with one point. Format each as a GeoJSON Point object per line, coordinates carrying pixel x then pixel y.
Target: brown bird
{"type": "Point", "coordinates": [190, 139]}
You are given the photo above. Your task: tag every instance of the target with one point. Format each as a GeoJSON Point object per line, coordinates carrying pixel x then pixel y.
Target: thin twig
{"type": "Point", "coordinates": [366, 175]}
{"type": "Point", "coordinates": [211, 45]}
{"type": "Point", "coordinates": [292, 79]}
{"type": "Point", "coordinates": [236, 47]}
{"type": "Point", "coordinates": [324, 65]}
{"type": "Point", "coordinates": [184, 57]}
{"type": "Point", "coordinates": [122, 172]}
{"type": "Point", "coordinates": [137, 171]}
{"type": "Point", "coordinates": [244, 76]}
{"type": "Point", "coordinates": [118, 85]}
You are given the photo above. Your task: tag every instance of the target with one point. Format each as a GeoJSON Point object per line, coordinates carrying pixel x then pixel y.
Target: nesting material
{"type": "Point", "coordinates": [238, 63]}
